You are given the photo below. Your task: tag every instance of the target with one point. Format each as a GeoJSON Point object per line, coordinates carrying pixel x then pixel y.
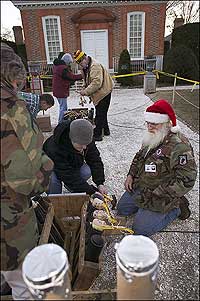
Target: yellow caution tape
{"type": "Point", "coordinates": [130, 74]}
{"type": "Point", "coordinates": [193, 87]}
{"type": "Point", "coordinates": [172, 75]}
{"type": "Point", "coordinates": [157, 75]}
{"type": "Point", "coordinates": [127, 75]}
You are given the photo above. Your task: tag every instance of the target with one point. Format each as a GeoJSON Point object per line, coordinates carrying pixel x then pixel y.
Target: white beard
{"type": "Point", "coordinates": [152, 140]}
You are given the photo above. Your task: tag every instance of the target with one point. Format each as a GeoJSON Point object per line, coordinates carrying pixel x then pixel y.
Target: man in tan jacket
{"type": "Point", "coordinates": [98, 86]}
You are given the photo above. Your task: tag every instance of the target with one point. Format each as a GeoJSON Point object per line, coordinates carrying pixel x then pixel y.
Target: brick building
{"type": "Point", "coordinates": [100, 28]}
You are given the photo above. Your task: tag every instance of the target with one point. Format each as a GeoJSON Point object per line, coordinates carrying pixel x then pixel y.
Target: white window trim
{"type": "Point", "coordinates": [143, 33]}
{"type": "Point", "coordinates": [45, 35]}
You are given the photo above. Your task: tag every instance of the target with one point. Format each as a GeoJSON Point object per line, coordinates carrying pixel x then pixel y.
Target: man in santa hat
{"type": "Point", "coordinates": [161, 173]}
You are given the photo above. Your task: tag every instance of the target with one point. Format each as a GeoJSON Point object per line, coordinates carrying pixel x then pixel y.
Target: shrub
{"type": "Point", "coordinates": [124, 67]}
{"type": "Point", "coordinates": [166, 46]}
{"type": "Point", "coordinates": [188, 35]}
{"type": "Point", "coordinates": [181, 60]}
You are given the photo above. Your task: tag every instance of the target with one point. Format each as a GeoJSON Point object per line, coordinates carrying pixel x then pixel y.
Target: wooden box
{"type": "Point", "coordinates": [78, 110]}
{"type": "Point", "coordinates": [44, 123]}
{"type": "Point", "coordinates": [70, 214]}
{"type": "Point", "coordinates": [66, 215]}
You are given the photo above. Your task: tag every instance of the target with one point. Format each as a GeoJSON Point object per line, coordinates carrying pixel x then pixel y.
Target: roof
{"type": "Point", "coordinates": [80, 3]}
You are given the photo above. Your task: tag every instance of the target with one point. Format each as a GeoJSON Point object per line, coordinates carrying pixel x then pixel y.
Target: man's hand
{"type": "Point", "coordinates": [82, 93]}
{"type": "Point", "coordinates": [129, 183]}
{"type": "Point", "coordinates": [102, 189]}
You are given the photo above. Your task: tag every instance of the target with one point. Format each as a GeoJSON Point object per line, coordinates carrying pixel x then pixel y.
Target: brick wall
{"type": "Point", "coordinates": [154, 29]}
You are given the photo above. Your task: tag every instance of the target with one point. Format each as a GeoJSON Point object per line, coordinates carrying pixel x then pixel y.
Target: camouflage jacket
{"type": "Point", "coordinates": [164, 174]}
{"type": "Point", "coordinates": [25, 171]}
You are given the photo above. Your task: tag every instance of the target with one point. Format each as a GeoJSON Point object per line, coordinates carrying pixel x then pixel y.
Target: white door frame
{"type": "Point", "coordinates": [105, 46]}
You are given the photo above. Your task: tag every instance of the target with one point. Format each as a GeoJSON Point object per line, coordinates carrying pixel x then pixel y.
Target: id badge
{"type": "Point", "coordinates": [150, 168]}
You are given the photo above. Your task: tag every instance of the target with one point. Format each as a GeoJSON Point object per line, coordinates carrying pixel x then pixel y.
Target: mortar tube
{"type": "Point", "coordinates": [45, 271]}
{"type": "Point", "coordinates": [137, 260]}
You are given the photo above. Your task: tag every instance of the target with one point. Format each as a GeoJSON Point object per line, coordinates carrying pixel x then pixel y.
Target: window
{"type": "Point", "coordinates": [136, 25]}
{"type": "Point", "coordinates": [52, 37]}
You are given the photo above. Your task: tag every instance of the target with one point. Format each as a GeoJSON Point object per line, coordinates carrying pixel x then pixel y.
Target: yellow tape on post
{"type": "Point", "coordinates": [172, 75]}
{"type": "Point", "coordinates": [193, 87]}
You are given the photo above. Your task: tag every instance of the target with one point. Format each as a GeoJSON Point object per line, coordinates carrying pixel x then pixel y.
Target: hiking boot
{"type": "Point", "coordinates": [98, 138]}
{"type": "Point", "coordinates": [184, 207]}
{"type": "Point", "coordinates": [106, 132]}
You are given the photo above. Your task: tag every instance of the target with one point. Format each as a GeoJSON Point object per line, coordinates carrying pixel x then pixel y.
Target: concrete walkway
{"type": "Point", "coordinates": [178, 277]}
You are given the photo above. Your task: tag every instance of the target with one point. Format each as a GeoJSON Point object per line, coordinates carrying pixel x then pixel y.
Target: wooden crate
{"type": "Point", "coordinates": [70, 213]}
{"type": "Point", "coordinates": [44, 123]}
{"type": "Point", "coordinates": [84, 272]}
{"type": "Point", "coordinates": [78, 110]}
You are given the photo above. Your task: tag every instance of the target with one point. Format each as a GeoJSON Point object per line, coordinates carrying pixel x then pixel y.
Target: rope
{"type": "Point", "coordinates": [179, 231]}
{"type": "Point", "coordinates": [186, 100]}
{"type": "Point", "coordinates": [127, 127]}
{"type": "Point", "coordinates": [129, 110]}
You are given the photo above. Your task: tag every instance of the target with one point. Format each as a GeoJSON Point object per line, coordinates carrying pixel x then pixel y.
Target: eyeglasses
{"type": "Point", "coordinates": [152, 124]}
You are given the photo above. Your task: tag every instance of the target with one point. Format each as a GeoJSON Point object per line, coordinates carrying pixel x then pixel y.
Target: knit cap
{"type": "Point", "coordinates": [67, 58]}
{"type": "Point", "coordinates": [79, 56]}
{"type": "Point", "coordinates": [81, 131]}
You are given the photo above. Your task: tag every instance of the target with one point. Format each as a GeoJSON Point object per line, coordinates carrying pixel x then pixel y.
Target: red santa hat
{"type": "Point", "coordinates": [160, 112]}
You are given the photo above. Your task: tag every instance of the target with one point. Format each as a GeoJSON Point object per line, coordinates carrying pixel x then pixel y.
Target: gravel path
{"type": "Point", "coordinates": [178, 277]}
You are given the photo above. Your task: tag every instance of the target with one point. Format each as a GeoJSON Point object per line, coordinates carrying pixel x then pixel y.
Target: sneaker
{"type": "Point", "coordinates": [98, 138]}
{"type": "Point", "coordinates": [184, 206]}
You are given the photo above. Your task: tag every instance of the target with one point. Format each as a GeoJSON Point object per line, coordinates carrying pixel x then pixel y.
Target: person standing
{"type": "Point", "coordinates": [98, 85]}
{"type": "Point", "coordinates": [25, 172]}
{"type": "Point", "coordinates": [160, 175]}
{"type": "Point", "coordinates": [62, 78]}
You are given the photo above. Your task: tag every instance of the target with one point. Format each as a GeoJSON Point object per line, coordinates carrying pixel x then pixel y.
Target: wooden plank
{"type": "Point", "coordinates": [82, 238]}
{"type": "Point", "coordinates": [44, 237]}
{"type": "Point", "coordinates": [67, 205]}
{"type": "Point", "coordinates": [95, 295]}
{"type": "Point", "coordinates": [85, 295]}
{"type": "Point", "coordinates": [79, 110]}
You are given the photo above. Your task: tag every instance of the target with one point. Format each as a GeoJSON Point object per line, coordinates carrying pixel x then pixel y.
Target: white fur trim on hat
{"type": "Point", "coordinates": [156, 117]}
{"type": "Point", "coordinates": [175, 129]}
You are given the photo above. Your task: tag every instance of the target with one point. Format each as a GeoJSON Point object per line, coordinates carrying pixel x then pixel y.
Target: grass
{"type": "Point", "coordinates": [185, 111]}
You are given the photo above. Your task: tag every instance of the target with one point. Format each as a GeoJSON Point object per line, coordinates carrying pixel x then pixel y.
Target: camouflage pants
{"type": "Point", "coordinates": [19, 289]}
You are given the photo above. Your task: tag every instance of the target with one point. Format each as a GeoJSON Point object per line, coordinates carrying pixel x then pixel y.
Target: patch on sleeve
{"type": "Point", "coordinates": [183, 159]}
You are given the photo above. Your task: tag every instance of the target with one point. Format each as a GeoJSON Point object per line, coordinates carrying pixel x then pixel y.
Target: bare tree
{"type": "Point", "coordinates": [188, 10]}
{"type": "Point", "coordinates": [7, 34]}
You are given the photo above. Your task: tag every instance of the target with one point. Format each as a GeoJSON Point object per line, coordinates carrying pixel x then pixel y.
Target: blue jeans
{"type": "Point", "coordinates": [63, 107]}
{"type": "Point", "coordinates": [145, 222]}
{"type": "Point", "coordinates": [55, 186]}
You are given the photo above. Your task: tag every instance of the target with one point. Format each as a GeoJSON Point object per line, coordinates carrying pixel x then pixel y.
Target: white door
{"type": "Point", "coordinates": [95, 43]}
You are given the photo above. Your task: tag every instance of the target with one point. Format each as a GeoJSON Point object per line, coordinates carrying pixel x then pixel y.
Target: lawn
{"type": "Point", "coordinates": [186, 110]}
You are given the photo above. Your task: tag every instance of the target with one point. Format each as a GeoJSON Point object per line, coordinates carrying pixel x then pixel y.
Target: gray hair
{"type": "Point", "coordinates": [12, 67]}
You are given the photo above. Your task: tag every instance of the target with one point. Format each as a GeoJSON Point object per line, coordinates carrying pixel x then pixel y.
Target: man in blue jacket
{"type": "Point", "coordinates": [75, 157]}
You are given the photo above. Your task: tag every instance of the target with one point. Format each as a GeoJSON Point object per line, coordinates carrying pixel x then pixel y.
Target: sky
{"type": "Point", "coordinates": [10, 15]}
